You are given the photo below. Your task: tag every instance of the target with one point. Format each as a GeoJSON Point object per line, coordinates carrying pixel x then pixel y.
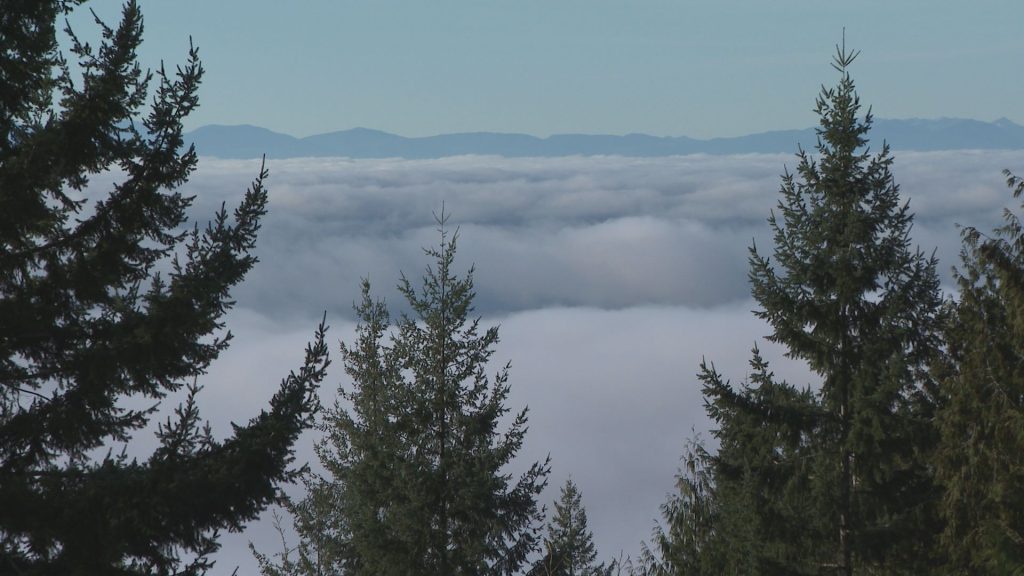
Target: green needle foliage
{"type": "Point", "coordinates": [90, 329]}
{"type": "Point", "coordinates": [685, 545]}
{"type": "Point", "coordinates": [416, 464]}
{"type": "Point", "coordinates": [760, 478]}
{"type": "Point", "coordinates": [569, 544]}
{"type": "Point", "coordinates": [980, 461]}
{"type": "Point", "coordinates": [836, 482]}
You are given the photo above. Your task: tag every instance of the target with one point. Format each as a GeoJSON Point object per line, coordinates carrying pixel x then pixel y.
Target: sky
{"type": "Point", "coordinates": [663, 67]}
{"type": "Point", "coordinates": [610, 278]}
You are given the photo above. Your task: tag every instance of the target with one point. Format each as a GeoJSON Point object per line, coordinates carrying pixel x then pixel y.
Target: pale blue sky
{"type": "Point", "coordinates": [664, 67]}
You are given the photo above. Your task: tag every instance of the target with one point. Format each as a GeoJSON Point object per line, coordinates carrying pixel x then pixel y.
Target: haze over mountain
{"type": "Point", "coordinates": [245, 141]}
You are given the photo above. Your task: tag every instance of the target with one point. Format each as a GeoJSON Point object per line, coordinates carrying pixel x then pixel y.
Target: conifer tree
{"type": "Point", "coordinates": [569, 544]}
{"type": "Point", "coordinates": [846, 294]}
{"type": "Point", "coordinates": [686, 544]}
{"type": "Point", "coordinates": [980, 461]}
{"type": "Point", "coordinates": [759, 478]}
{"type": "Point", "coordinates": [87, 322]}
{"type": "Point", "coordinates": [417, 479]}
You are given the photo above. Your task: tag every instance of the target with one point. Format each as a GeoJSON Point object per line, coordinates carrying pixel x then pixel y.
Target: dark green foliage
{"type": "Point", "coordinates": [766, 517]}
{"type": "Point", "coordinates": [569, 544]}
{"type": "Point", "coordinates": [416, 464]}
{"type": "Point", "coordinates": [836, 481]}
{"type": "Point", "coordinates": [89, 330]}
{"type": "Point", "coordinates": [686, 545]}
{"type": "Point", "coordinates": [745, 508]}
{"type": "Point", "coordinates": [861, 308]}
{"type": "Point", "coordinates": [980, 462]}
{"type": "Point", "coordinates": [348, 522]}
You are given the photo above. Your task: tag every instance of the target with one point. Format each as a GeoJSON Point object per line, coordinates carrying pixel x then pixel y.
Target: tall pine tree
{"type": "Point", "coordinates": [980, 461]}
{"type": "Point", "coordinates": [846, 294]}
{"type": "Point", "coordinates": [759, 478]}
{"type": "Point", "coordinates": [417, 467]}
{"type": "Point", "coordinates": [569, 544]}
{"type": "Point", "coordinates": [686, 544]}
{"type": "Point", "coordinates": [87, 322]}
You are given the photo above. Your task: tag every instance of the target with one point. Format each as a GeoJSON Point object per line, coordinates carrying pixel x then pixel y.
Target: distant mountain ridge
{"type": "Point", "coordinates": [245, 141]}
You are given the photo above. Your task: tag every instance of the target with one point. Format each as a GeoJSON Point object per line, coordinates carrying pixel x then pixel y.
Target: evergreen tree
{"type": "Point", "coordinates": [87, 322]}
{"type": "Point", "coordinates": [353, 520]}
{"type": "Point", "coordinates": [765, 522]}
{"type": "Point", "coordinates": [415, 459]}
{"type": "Point", "coordinates": [686, 544]}
{"type": "Point", "coordinates": [848, 295]}
{"type": "Point", "coordinates": [569, 544]}
{"type": "Point", "coordinates": [980, 461]}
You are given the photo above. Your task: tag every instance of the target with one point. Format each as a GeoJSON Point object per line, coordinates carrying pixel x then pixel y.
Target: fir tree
{"type": "Point", "coordinates": [980, 461]}
{"type": "Point", "coordinates": [569, 544]}
{"type": "Point", "coordinates": [759, 478]}
{"type": "Point", "coordinates": [847, 295]}
{"type": "Point", "coordinates": [416, 463]}
{"type": "Point", "coordinates": [685, 545]}
{"type": "Point", "coordinates": [87, 322]}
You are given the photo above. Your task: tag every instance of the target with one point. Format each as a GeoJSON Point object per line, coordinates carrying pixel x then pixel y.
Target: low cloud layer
{"type": "Point", "coordinates": [612, 396]}
{"type": "Point", "coordinates": [610, 277]}
{"type": "Point", "coordinates": [604, 232]}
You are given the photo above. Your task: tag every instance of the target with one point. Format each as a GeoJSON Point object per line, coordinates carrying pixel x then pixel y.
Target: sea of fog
{"type": "Point", "coordinates": [610, 277]}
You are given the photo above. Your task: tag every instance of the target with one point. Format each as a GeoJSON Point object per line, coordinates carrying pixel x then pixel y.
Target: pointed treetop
{"type": "Point", "coordinates": [842, 60]}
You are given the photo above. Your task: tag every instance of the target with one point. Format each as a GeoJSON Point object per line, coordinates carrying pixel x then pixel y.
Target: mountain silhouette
{"type": "Point", "coordinates": [246, 141]}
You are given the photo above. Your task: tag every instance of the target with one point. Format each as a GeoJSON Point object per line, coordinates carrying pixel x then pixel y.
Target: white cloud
{"type": "Point", "coordinates": [604, 232]}
{"type": "Point", "coordinates": [612, 395]}
{"type": "Point", "coordinates": [611, 278]}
